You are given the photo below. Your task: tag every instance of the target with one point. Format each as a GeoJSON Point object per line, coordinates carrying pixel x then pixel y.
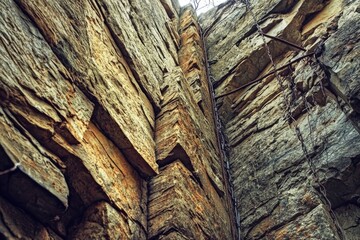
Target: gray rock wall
{"type": "Point", "coordinates": [293, 138]}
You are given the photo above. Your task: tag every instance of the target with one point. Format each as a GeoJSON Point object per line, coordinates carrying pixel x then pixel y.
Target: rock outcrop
{"type": "Point", "coordinates": [108, 128]}
{"type": "Point", "coordinates": [293, 137]}
{"type": "Point", "coordinates": [106, 123]}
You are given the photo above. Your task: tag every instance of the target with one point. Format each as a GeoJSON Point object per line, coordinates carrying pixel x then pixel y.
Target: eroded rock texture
{"type": "Point", "coordinates": [101, 102]}
{"type": "Point", "coordinates": [108, 129]}
{"type": "Point", "coordinates": [294, 143]}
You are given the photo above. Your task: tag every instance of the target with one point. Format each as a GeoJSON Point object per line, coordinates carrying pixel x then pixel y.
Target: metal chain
{"type": "Point", "coordinates": [273, 64]}
{"type": "Point", "coordinates": [221, 142]}
{"type": "Point", "coordinates": [223, 147]}
{"type": "Point", "coordinates": [322, 188]}
{"type": "Point", "coordinates": [289, 116]}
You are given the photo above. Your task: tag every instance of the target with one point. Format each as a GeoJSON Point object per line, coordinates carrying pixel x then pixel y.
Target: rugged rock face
{"type": "Point", "coordinates": [108, 126]}
{"type": "Point", "coordinates": [294, 143]}
{"type": "Point", "coordinates": [106, 123]}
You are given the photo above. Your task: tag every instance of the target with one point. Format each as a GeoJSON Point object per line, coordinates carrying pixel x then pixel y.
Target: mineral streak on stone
{"type": "Point", "coordinates": [107, 129]}
{"type": "Point", "coordinates": [277, 187]}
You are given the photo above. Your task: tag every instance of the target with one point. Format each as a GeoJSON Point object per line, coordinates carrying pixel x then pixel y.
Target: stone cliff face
{"type": "Point", "coordinates": [293, 137]}
{"type": "Point", "coordinates": [109, 129]}
{"type": "Point", "coordinates": [106, 123]}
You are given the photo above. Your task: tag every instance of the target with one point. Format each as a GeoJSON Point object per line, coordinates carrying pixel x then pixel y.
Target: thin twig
{"type": "Point", "coordinates": [16, 165]}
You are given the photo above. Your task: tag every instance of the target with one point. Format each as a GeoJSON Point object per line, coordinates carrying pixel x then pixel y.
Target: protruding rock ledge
{"type": "Point", "coordinates": [179, 207]}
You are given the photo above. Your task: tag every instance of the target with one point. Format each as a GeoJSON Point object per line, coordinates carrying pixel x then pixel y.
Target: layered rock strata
{"type": "Point", "coordinates": [294, 136]}
{"type": "Point", "coordinates": [190, 187]}
{"type": "Point", "coordinates": [106, 127]}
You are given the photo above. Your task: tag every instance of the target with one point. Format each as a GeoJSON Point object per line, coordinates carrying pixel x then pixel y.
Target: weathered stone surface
{"type": "Point", "coordinates": [147, 43]}
{"type": "Point", "coordinates": [341, 55]}
{"type": "Point", "coordinates": [314, 225]}
{"type": "Point", "coordinates": [14, 224]}
{"type": "Point", "coordinates": [269, 169]}
{"type": "Point", "coordinates": [232, 63]}
{"type": "Point", "coordinates": [35, 82]}
{"type": "Point", "coordinates": [100, 69]}
{"type": "Point", "coordinates": [348, 216]}
{"type": "Point", "coordinates": [36, 171]}
{"type": "Point", "coordinates": [48, 110]}
{"type": "Point", "coordinates": [101, 221]}
{"type": "Point", "coordinates": [98, 171]}
{"type": "Point", "coordinates": [82, 95]}
{"type": "Point", "coordinates": [192, 62]}
{"type": "Point", "coordinates": [187, 149]}
{"type": "Point", "coordinates": [180, 208]}
{"type": "Point", "coordinates": [182, 134]}
{"type": "Point", "coordinates": [108, 162]}
{"type": "Point", "coordinates": [95, 95]}
{"type": "Point", "coordinates": [288, 205]}
{"type": "Point", "coordinates": [108, 176]}
{"type": "Point", "coordinates": [172, 8]}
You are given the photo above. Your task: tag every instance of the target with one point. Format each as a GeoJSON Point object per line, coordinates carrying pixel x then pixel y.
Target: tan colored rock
{"type": "Point", "coordinates": [186, 139]}
{"type": "Point", "coordinates": [40, 96]}
{"type": "Point", "coordinates": [98, 171]}
{"type": "Point", "coordinates": [101, 221]}
{"type": "Point", "coordinates": [79, 95]}
{"type": "Point", "coordinates": [180, 208]}
{"type": "Point", "coordinates": [95, 95]}
{"type": "Point", "coordinates": [35, 82]}
{"type": "Point", "coordinates": [193, 63]}
{"type": "Point", "coordinates": [182, 134]}
{"type": "Point", "coordinates": [36, 170]}
{"type": "Point", "coordinates": [111, 171]}
{"type": "Point", "coordinates": [146, 43]}
{"type": "Point", "coordinates": [101, 70]}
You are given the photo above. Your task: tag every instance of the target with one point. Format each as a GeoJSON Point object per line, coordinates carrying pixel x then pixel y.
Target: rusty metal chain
{"type": "Point", "coordinates": [289, 116]}
{"type": "Point", "coordinates": [222, 142]}
{"type": "Point", "coordinates": [273, 64]}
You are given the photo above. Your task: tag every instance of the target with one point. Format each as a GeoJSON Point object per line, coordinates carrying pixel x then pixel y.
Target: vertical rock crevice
{"type": "Point", "coordinates": [109, 130]}
{"type": "Point", "coordinates": [191, 202]}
